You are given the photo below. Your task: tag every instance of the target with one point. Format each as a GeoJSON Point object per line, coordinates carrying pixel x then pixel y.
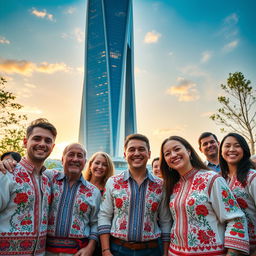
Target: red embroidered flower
{"type": "Point", "coordinates": [203, 237]}
{"type": "Point", "coordinates": [224, 193]}
{"type": "Point", "coordinates": [83, 207]}
{"type": "Point", "coordinates": [89, 194]}
{"type": "Point", "coordinates": [152, 186]}
{"type": "Point", "coordinates": [83, 190]}
{"type": "Point", "coordinates": [21, 198]}
{"type": "Point", "coordinates": [202, 186]}
{"type": "Point", "coordinates": [201, 210]}
{"type": "Point", "coordinates": [24, 176]}
{"type": "Point", "coordinates": [191, 201]}
{"type": "Point", "coordinates": [176, 188]}
{"type": "Point", "coordinates": [26, 244]}
{"type": "Point", "coordinates": [26, 222]}
{"type": "Point", "coordinates": [123, 225]}
{"type": "Point", "coordinates": [18, 180]}
{"type": "Point", "coordinates": [231, 202]}
{"type": "Point", "coordinates": [154, 206]}
{"type": "Point", "coordinates": [119, 202]}
{"type": "Point", "coordinates": [4, 245]}
{"type": "Point", "coordinates": [198, 184]}
{"type": "Point", "coordinates": [238, 225]}
{"type": "Point", "coordinates": [242, 203]}
{"type": "Point", "coordinates": [147, 227]}
{"type": "Point", "coordinates": [158, 191]}
{"type": "Point", "coordinates": [75, 226]}
{"type": "Point", "coordinates": [116, 186]}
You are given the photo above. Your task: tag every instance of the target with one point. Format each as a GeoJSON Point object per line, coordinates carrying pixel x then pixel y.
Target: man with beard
{"type": "Point", "coordinates": [25, 194]}
{"type": "Point", "coordinates": [132, 214]}
{"type": "Point", "coordinates": [209, 146]}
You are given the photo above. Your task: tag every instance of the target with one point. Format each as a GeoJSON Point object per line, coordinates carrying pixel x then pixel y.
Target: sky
{"type": "Point", "coordinates": [184, 51]}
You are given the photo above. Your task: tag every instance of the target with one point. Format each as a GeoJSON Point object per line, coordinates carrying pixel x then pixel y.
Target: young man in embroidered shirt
{"type": "Point", "coordinates": [72, 223]}
{"type": "Point", "coordinates": [24, 195]}
{"type": "Point", "coordinates": [209, 146]}
{"type": "Point", "coordinates": [132, 206]}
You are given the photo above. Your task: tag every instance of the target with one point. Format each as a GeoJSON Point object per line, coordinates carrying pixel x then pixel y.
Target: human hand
{"type": "Point", "coordinates": [107, 253]}
{"type": "Point", "coordinates": [7, 165]}
{"type": "Point", "coordinates": [86, 251]}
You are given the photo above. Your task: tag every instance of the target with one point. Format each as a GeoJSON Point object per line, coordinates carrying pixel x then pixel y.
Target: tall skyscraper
{"type": "Point", "coordinates": [108, 103]}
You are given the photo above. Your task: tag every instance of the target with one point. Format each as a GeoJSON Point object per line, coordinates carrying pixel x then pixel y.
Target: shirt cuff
{"type": "Point", "coordinates": [104, 229]}
{"type": "Point", "coordinates": [165, 237]}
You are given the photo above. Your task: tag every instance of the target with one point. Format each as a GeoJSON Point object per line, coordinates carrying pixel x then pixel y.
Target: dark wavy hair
{"type": "Point", "coordinates": [171, 176]}
{"type": "Point", "coordinates": [244, 165]}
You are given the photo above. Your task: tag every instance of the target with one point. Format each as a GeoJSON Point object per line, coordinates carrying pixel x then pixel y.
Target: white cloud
{"type": "Point", "coordinates": [70, 10]}
{"type": "Point", "coordinates": [185, 90]}
{"type": "Point", "coordinates": [79, 35]}
{"type": "Point", "coordinates": [193, 70]}
{"type": "Point", "coordinates": [3, 40]}
{"type": "Point", "coordinates": [232, 19]}
{"type": "Point", "coordinates": [231, 46]}
{"type": "Point", "coordinates": [42, 14]}
{"type": "Point", "coordinates": [26, 68]}
{"type": "Point", "coordinates": [152, 37]}
{"type": "Point", "coordinates": [206, 56]}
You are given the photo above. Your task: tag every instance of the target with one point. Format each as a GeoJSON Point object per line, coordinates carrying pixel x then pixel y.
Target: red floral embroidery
{"type": "Point", "coordinates": [75, 226]}
{"type": "Point", "coordinates": [198, 184]}
{"type": "Point", "coordinates": [26, 222]}
{"type": "Point", "coordinates": [24, 176]}
{"type": "Point", "coordinates": [26, 244]}
{"type": "Point", "coordinates": [242, 203]}
{"type": "Point", "coordinates": [4, 245]}
{"type": "Point", "coordinates": [152, 186]}
{"type": "Point", "coordinates": [176, 188]}
{"type": "Point", "coordinates": [119, 202]}
{"type": "Point", "coordinates": [158, 191]}
{"type": "Point", "coordinates": [238, 225]}
{"type": "Point", "coordinates": [83, 207]}
{"type": "Point", "coordinates": [89, 194]}
{"type": "Point", "coordinates": [206, 237]}
{"type": "Point", "coordinates": [147, 227]}
{"type": "Point", "coordinates": [224, 193]}
{"type": "Point", "coordinates": [21, 198]}
{"type": "Point", "coordinates": [191, 201]}
{"type": "Point", "coordinates": [116, 186]}
{"type": "Point", "coordinates": [83, 189]}
{"type": "Point", "coordinates": [154, 206]}
{"type": "Point", "coordinates": [201, 210]}
{"type": "Point", "coordinates": [231, 202]}
{"type": "Point", "coordinates": [123, 225]}
{"type": "Point", "coordinates": [18, 180]}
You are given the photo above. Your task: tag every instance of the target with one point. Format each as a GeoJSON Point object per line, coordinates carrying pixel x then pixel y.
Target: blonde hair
{"type": "Point", "coordinates": [110, 167]}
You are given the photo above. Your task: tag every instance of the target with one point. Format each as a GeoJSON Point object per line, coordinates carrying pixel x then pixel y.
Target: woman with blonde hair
{"type": "Point", "coordinates": [99, 168]}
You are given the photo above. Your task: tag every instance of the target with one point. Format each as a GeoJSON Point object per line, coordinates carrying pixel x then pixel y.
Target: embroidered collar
{"type": "Point", "coordinates": [61, 176]}
{"type": "Point", "coordinates": [29, 166]}
{"type": "Point", "coordinates": [127, 175]}
{"type": "Point", "coordinates": [190, 174]}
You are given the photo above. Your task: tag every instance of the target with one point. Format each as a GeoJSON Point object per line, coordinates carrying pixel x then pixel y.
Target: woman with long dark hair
{"type": "Point", "coordinates": [206, 217]}
{"type": "Point", "coordinates": [238, 170]}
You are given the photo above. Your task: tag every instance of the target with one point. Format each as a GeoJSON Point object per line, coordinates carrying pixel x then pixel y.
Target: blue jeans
{"type": "Point", "coordinates": [119, 250]}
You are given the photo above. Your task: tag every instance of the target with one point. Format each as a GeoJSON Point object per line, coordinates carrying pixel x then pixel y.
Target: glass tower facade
{"type": "Point", "coordinates": [108, 101]}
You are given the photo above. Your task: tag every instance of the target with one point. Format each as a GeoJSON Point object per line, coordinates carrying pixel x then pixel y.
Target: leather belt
{"type": "Point", "coordinates": [135, 245]}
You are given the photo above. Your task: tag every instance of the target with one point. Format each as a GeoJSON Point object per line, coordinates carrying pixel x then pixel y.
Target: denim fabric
{"type": "Point", "coordinates": [119, 250]}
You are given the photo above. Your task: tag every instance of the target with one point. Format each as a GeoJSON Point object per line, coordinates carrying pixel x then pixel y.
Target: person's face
{"type": "Point", "coordinates": [156, 168]}
{"type": "Point", "coordinates": [177, 156]}
{"type": "Point", "coordinates": [137, 154]}
{"type": "Point", "coordinates": [232, 152]}
{"type": "Point", "coordinates": [209, 147]}
{"type": "Point", "coordinates": [74, 161]}
{"type": "Point", "coordinates": [39, 144]}
{"type": "Point", "coordinates": [99, 167]}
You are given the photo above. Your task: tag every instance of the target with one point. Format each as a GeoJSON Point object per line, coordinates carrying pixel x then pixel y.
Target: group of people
{"type": "Point", "coordinates": [189, 207]}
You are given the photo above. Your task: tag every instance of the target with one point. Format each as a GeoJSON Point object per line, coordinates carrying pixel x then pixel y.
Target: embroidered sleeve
{"type": "Point", "coordinates": [5, 191]}
{"type": "Point", "coordinates": [228, 211]}
{"type": "Point", "coordinates": [106, 210]}
{"type": "Point", "coordinates": [94, 216]}
{"type": "Point", "coordinates": [165, 220]}
{"type": "Point", "coordinates": [252, 187]}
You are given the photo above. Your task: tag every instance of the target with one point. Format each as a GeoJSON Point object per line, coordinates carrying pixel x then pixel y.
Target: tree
{"type": "Point", "coordinates": [12, 129]}
{"type": "Point", "coordinates": [238, 109]}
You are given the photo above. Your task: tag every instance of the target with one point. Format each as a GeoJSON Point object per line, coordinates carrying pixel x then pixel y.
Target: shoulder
{"type": "Point", "coordinates": [251, 177]}
{"type": "Point", "coordinates": [207, 174]}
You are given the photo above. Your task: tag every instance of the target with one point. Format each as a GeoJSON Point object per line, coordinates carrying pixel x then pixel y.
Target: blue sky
{"type": "Point", "coordinates": [183, 51]}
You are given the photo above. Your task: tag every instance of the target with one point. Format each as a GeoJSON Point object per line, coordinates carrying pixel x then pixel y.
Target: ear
{"type": "Point", "coordinates": [124, 155]}
{"type": "Point", "coordinates": [25, 141]}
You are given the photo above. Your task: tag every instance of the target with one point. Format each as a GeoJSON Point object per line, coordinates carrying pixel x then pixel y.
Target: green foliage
{"type": "Point", "coordinates": [238, 108]}
{"type": "Point", "coordinates": [12, 130]}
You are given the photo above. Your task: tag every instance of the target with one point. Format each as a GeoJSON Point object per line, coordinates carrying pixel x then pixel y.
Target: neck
{"type": "Point", "coordinates": [213, 160]}
{"type": "Point", "coordinates": [38, 165]}
{"type": "Point", "coordinates": [72, 179]}
{"type": "Point", "coordinates": [138, 173]}
{"type": "Point", "coordinates": [98, 182]}
{"type": "Point", "coordinates": [232, 170]}
{"type": "Point", "coordinates": [185, 170]}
